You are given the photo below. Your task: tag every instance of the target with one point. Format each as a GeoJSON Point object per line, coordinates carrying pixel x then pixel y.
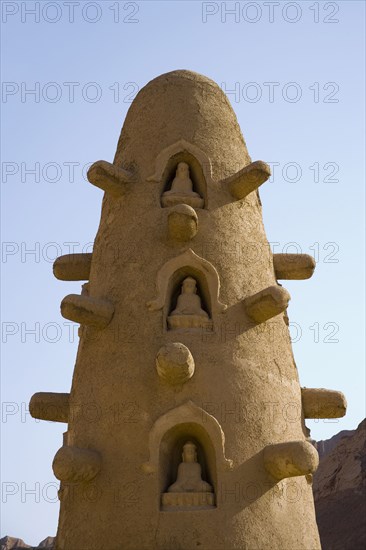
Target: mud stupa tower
{"type": "Point", "coordinates": [185, 417]}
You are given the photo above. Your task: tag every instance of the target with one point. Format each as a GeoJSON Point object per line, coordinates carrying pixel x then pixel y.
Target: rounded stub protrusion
{"type": "Point", "coordinates": [290, 459]}
{"type": "Point", "coordinates": [322, 403]}
{"type": "Point", "coordinates": [182, 222]}
{"type": "Point", "coordinates": [75, 465]}
{"type": "Point", "coordinates": [50, 406]}
{"type": "Point", "coordinates": [174, 363]}
{"type": "Point", "coordinates": [109, 177]}
{"type": "Point", "coordinates": [247, 179]}
{"type": "Point", "coordinates": [293, 266]}
{"type": "Point", "coordinates": [73, 267]}
{"type": "Point", "coordinates": [267, 303]}
{"type": "Point", "coordinates": [87, 311]}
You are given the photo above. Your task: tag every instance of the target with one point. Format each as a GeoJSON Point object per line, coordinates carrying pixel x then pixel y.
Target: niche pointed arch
{"type": "Point", "coordinates": [175, 270]}
{"type": "Point", "coordinates": [199, 423]}
{"type": "Point", "coordinates": [199, 163]}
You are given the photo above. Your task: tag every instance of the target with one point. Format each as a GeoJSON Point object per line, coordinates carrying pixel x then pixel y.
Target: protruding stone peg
{"type": "Point", "coordinates": [75, 465]}
{"type": "Point", "coordinates": [110, 178]}
{"type": "Point", "coordinates": [248, 179]}
{"type": "Point", "coordinates": [321, 403]}
{"type": "Point", "coordinates": [87, 311]}
{"type": "Point", "coordinates": [182, 222]}
{"type": "Point", "coordinates": [293, 266]}
{"type": "Point", "coordinates": [73, 267]}
{"type": "Point", "coordinates": [267, 303]}
{"type": "Point", "coordinates": [50, 406]}
{"type": "Point", "coordinates": [174, 363]}
{"type": "Point", "coordinates": [290, 459]}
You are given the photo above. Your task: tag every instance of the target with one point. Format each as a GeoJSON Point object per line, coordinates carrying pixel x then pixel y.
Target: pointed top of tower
{"type": "Point", "coordinates": [175, 106]}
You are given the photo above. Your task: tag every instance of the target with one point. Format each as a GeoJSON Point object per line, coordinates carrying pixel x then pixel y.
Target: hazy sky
{"type": "Point", "coordinates": [294, 73]}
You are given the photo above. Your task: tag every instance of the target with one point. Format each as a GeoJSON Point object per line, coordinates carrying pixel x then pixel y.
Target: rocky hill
{"type": "Point", "coordinates": [340, 490]}
{"type": "Point", "coordinates": [324, 447]}
{"type": "Point", "coordinates": [12, 543]}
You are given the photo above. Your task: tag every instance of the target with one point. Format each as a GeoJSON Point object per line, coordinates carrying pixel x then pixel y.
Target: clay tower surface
{"type": "Point", "coordinates": [186, 431]}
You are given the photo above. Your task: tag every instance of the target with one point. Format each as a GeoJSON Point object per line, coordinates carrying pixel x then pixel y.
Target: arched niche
{"type": "Point", "coordinates": [199, 166]}
{"type": "Point", "coordinates": [174, 291]}
{"type": "Point", "coordinates": [199, 186]}
{"type": "Point", "coordinates": [170, 455]}
{"type": "Point", "coordinates": [169, 281]}
{"type": "Point", "coordinates": [172, 430]}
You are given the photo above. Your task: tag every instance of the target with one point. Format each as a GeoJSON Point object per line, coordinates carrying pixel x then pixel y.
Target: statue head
{"type": "Point", "coordinates": [189, 286]}
{"type": "Point", "coordinates": [182, 170]}
{"type": "Point", "coordinates": [189, 452]}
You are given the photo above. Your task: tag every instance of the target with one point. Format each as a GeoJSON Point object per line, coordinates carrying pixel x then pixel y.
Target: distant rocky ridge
{"type": "Point", "coordinates": [340, 490]}
{"type": "Point", "coordinates": [324, 447]}
{"type": "Point", "coordinates": [339, 493]}
{"type": "Point", "coordinates": [12, 543]}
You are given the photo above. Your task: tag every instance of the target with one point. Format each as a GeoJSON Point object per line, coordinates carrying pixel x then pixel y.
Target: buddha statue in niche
{"type": "Point", "coordinates": [181, 191]}
{"type": "Point", "coordinates": [189, 477]}
{"type": "Point", "coordinates": [188, 312]}
{"type": "Point", "coordinates": [189, 490]}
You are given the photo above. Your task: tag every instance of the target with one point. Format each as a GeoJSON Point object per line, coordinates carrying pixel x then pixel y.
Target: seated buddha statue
{"type": "Point", "coordinates": [188, 312]}
{"type": "Point", "coordinates": [189, 477]}
{"type": "Point", "coordinates": [181, 191]}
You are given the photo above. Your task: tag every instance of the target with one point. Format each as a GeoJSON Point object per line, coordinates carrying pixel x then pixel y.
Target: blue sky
{"type": "Point", "coordinates": [294, 73]}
